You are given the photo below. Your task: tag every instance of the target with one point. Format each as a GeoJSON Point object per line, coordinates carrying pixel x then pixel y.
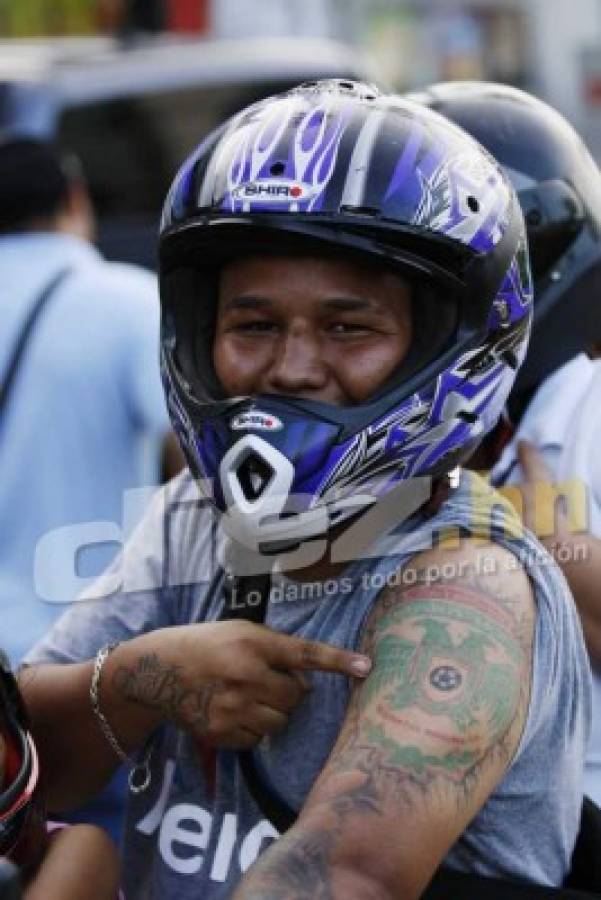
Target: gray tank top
{"type": "Point", "coordinates": [196, 829]}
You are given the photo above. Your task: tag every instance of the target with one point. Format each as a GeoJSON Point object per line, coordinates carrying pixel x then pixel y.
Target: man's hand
{"type": "Point", "coordinates": [227, 682]}
{"type": "Point", "coordinates": [230, 683]}
{"type": "Point", "coordinates": [536, 472]}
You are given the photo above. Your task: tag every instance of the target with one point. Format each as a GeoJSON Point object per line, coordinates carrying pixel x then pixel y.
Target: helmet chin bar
{"type": "Point", "coordinates": [256, 480]}
{"type": "Point", "coordinates": [265, 534]}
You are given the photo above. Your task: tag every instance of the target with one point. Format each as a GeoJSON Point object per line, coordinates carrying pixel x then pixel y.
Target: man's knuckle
{"type": "Point", "coordinates": [276, 724]}
{"type": "Point", "coordinates": [243, 670]}
{"type": "Point", "coordinates": [245, 645]}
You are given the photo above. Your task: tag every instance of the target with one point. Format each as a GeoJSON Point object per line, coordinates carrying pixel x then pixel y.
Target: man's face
{"type": "Point", "coordinates": [319, 329]}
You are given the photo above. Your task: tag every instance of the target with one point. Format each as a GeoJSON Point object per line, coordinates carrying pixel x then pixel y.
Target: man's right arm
{"type": "Point", "coordinates": [426, 738]}
{"type": "Point", "coordinates": [229, 683]}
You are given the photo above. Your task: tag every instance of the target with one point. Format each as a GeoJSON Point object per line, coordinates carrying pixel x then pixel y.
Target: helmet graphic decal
{"type": "Point", "coordinates": [304, 172]}
{"type": "Point", "coordinates": [448, 201]}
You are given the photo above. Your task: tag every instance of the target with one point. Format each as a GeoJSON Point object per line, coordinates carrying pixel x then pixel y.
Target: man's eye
{"type": "Point", "coordinates": [348, 328]}
{"type": "Point", "coordinates": [257, 326]}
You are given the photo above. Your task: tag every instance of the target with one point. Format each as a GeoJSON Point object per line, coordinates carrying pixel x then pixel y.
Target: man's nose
{"type": "Point", "coordinates": [298, 363]}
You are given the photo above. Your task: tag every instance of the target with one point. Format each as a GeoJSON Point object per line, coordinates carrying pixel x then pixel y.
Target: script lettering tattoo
{"type": "Point", "coordinates": [159, 686]}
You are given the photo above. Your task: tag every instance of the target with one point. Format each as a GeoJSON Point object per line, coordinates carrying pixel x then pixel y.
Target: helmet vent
{"type": "Point", "coordinates": [254, 474]}
{"type": "Point", "coordinates": [473, 204]}
{"type": "Point", "coordinates": [511, 359]}
{"type": "Point", "coordinates": [466, 416]}
{"type": "Point", "coordinates": [278, 168]}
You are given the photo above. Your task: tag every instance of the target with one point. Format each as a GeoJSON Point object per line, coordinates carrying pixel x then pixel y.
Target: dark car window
{"type": "Point", "coordinates": [130, 148]}
{"type": "Point", "coordinates": [122, 155]}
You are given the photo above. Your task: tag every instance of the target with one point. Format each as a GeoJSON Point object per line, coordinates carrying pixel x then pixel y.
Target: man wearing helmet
{"type": "Point", "coordinates": [554, 402]}
{"type": "Point", "coordinates": [346, 299]}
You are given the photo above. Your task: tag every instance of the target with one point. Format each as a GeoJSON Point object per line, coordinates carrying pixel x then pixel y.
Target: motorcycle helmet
{"type": "Point", "coordinates": [336, 168]}
{"type": "Point", "coordinates": [559, 188]}
{"type": "Point", "coordinates": [22, 814]}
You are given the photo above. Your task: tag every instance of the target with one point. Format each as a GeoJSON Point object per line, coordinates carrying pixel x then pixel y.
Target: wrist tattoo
{"type": "Point", "coordinates": [160, 686]}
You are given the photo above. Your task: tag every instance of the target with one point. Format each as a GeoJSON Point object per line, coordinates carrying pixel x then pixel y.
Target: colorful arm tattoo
{"type": "Point", "coordinates": [427, 737]}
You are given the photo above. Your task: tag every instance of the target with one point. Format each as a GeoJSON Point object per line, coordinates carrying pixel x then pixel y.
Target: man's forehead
{"type": "Point", "coordinates": [304, 268]}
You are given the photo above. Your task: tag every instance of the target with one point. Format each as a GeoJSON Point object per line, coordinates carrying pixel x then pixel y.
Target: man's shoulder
{"type": "Point", "coordinates": [471, 586]}
{"type": "Point", "coordinates": [129, 283]}
{"type": "Point", "coordinates": [129, 274]}
{"type": "Point", "coordinates": [476, 507]}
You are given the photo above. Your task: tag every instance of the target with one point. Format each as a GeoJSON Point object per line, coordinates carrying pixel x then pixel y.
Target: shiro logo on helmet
{"type": "Point", "coordinates": [279, 191]}
{"type": "Point", "coordinates": [256, 419]}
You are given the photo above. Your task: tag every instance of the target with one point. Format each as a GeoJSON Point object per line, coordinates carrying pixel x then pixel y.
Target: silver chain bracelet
{"type": "Point", "coordinates": [139, 776]}
{"type": "Point", "coordinates": [106, 729]}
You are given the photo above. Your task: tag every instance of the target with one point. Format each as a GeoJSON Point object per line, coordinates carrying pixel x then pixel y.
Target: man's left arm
{"type": "Point", "coordinates": [426, 737]}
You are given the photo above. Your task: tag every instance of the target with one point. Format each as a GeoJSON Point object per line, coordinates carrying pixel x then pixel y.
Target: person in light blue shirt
{"type": "Point", "coordinates": [86, 416]}
{"type": "Point", "coordinates": [82, 430]}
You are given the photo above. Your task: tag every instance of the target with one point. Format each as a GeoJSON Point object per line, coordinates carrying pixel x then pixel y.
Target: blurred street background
{"type": "Point", "coordinates": [82, 69]}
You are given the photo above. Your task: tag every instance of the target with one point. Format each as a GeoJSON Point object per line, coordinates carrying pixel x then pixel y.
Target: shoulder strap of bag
{"type": "Point", "coordinates": [241, 603]}
{"type": "Point", "coordinates": [23, 337]}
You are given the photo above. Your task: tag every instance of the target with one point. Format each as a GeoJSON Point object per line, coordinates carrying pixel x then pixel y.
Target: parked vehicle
{"type": "Point", "coordinates": [131, 114]}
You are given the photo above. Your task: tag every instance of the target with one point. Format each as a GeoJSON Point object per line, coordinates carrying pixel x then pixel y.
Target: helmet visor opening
{"type": "Point", "coordinates": [189, 325]}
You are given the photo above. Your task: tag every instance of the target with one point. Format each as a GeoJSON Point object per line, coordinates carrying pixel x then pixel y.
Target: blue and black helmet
{"type": "Point", "coordinates": [558, 184]}
{"type": "Point", "coordinates": [338, 168]}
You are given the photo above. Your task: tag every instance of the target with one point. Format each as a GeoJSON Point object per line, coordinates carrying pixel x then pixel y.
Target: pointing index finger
{"type": "Point", "coordinates": [298, 653]}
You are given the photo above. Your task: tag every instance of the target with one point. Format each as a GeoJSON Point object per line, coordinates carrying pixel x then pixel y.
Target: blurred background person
{"type": "Point", "coordinates": [553, 433]}
{"type": "Point", "coordinates": [83, 419]}
{"type": "Point", "coordinates": [87, 391]}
